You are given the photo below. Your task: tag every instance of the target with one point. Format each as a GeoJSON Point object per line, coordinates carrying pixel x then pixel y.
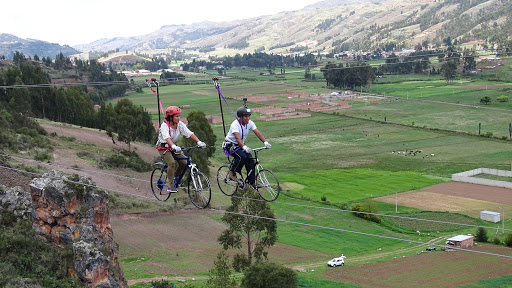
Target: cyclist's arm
{"type": "Point", "coordinates": [169, 142]}
{"type": "Point", "coordinates": [194, 137]}
{"type": "Point", "coordinates": [238, 139]}
{"type": "Point", "coordinates": [259, 135]}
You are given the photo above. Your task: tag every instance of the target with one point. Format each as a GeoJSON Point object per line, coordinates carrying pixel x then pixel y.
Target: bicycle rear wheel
{"type": "Point", "coordinates": [226, 185]}
{"type": "Point", "coordinates": [270, 185]}
{"type": "Point", "coordinates": [159, 184]}
{"type": "Point", "coordinates": [199, 190]}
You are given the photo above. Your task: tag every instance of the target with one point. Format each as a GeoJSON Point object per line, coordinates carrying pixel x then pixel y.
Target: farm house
{"type": "Point", "coordinates": [490, 216]}
{"type": "Point", "coordinates": [460, 241]}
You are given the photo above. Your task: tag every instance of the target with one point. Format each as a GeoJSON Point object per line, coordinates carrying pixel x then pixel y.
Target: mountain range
{"type": "Point", "coordinates": [30, 47]}
{"type": "Point", "coordinates": [340, 25]}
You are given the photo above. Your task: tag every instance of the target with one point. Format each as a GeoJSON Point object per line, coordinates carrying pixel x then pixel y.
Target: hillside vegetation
{"type": "Point", "coordinates": [330, 26]}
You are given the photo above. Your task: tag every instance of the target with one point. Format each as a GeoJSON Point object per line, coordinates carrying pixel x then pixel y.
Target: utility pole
{"type": "Point", "coordinates": [396, 202]}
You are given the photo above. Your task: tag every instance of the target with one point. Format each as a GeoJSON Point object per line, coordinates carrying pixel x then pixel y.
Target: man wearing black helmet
{"type": "Point", "coordinates": [235, 144]}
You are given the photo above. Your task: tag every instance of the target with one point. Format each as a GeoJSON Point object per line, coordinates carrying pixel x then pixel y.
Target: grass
{"type": "Point", "coordinates": [348, 185]}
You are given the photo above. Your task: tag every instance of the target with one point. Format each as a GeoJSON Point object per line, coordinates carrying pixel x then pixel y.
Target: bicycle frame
{"type": "Point", "coordinates": [257, 164]}
{"type": "Point", "coordinates": [190, 165]}
{"type": "Point", "coordinates": [199, 189]}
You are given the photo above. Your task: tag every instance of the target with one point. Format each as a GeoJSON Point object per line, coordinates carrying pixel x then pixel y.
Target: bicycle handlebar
{"type": "Point", "coordinates": [259, 148]}
{"type": "Point", "coordinates": [189, 148]}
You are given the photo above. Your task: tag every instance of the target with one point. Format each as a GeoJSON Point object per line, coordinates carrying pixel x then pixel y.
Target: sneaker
{"type": "Point", "coordinates": [256, 186]}
{"type": "Point", "coordinates": [232, 176]}
{"type": "Point", "coordinates": [172, 189]}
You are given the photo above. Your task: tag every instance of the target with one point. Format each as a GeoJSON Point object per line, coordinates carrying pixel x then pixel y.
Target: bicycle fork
{"type": "Point", "coordinates": [198, 186]}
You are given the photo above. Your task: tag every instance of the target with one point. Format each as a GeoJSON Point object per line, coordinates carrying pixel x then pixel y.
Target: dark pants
{"type": "Point", "coordinates": [241, 158]}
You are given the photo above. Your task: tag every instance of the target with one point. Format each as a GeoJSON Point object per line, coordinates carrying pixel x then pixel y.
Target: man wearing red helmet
{"type": "Point", "coordinates": [168, 135]}
{"type": "Point", "coordinates": [235, 144]}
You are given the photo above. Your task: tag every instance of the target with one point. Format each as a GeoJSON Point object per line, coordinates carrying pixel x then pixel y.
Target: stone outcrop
{"type": "Point", "coordinates": [68, 210]}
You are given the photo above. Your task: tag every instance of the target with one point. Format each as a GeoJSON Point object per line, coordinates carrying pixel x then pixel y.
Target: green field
{"type": "Point", "coordinates": [329, 161]}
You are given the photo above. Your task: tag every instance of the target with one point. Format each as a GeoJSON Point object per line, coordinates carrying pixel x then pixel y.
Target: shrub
{"type": "Point", "coordinates": [269, 275]}
{"type": "Point", "coordinates": [125, 159]}
{"type": "Point", "coordinates": [324, 198]}
{"type": "Point", "coordinates": [502, 98]}
{"type": "Point", "coordinates": [508, 240]}
{"type": "Point", "coordinates": [369, 206]}
{"type": "Point", "coordinates": [28, 131]}
{"type": "Point", "coordinates": [43, 157]}
{"type": "Point", "coordinates": [481, 235]}
{"type": "Point", "coordinates": [497, 241]}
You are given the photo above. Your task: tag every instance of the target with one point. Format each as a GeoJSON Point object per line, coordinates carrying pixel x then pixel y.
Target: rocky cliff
{"type": "Point", "coordinates": [68, 210]}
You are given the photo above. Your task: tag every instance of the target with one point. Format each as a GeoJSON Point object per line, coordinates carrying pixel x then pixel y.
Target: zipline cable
{"type": "Point", "coordinates": [290, 222]}
{"type": "Point", "coordinates": [316, 207]}
{"type": "Point", "coordinates": [357, 232]}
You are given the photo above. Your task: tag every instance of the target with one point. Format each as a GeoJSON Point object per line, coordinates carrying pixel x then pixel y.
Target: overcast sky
{"type": "Point", "coordinates": [74, 22]}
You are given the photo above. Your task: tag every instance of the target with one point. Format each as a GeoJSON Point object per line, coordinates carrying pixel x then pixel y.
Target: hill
{"type": "Point", "coordinates": [30, 47]}
{"type": "Point", "coordinates": [334, 25]}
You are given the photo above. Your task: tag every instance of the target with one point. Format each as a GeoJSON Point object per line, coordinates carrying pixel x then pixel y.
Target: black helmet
{"type": "Point", "coordinates": [243, 111]}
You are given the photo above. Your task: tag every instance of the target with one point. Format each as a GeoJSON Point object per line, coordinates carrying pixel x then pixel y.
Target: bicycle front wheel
{"type": "Point", "coordinates": [270, 188]}
{"type": "Point", "coordinates": [226, 185]}
{"type": "Point", "coordinates": [199, 189]}
{"type": "Point", "coordinates": [159, 184]}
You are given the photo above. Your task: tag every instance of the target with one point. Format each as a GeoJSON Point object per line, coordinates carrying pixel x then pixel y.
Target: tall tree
{"type": "Point", "coordinates": [198, 123]}
{"type": "Point", "coordinates": [132, 123]}
{"type": "Point", "coordinates": [255, 232]}
{"type": "Point", "coordinates": [449, 71]}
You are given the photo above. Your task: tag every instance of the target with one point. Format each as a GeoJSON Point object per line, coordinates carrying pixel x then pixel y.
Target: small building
{"type": "Point", "coordinates": [490, 216]}
{"type": "Point", "coordinates": [460, 241]}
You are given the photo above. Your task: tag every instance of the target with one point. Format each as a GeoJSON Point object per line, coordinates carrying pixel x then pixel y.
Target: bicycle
{"type": "Point", "coordinates": [199, 189]}
{"type": "Point", "coordinates": [269, 190]}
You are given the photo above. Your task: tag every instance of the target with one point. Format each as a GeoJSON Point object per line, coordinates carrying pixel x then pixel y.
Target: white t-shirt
{"type": "Point", "coordinates": [239, 128]}
{"type": "Point", "coordinates": [175, 134]}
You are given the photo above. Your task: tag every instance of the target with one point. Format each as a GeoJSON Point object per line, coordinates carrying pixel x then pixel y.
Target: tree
{"type": "Point", "coordinates": [481, 235]}
{"type": "Point", "coordinates": [220, 275]}
{"type": "Point", "coordinates": [269, 275]}
{"type": "Point", "coordinates": [255, 232]}
{"type": "Point", "coordinates": [485, 100]}
{"type": "Point", "coordinates": [307, 73]}
{"type": "Point", "coordinates": [469, 64]}
{"type": "Point", "coordinates": [198, 123]}
{"type": "Point", "coordinates": [133, 123]}
{"type": "Point", "coordinates": [449, 71]}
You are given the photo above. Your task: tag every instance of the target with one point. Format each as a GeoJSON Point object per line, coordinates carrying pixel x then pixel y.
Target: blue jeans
{"type": "Point", "coordinates": [242, 158]}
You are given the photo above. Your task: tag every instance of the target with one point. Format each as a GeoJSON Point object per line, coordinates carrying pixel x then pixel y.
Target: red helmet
{"type": "Point", "coordinates": [171, 110]}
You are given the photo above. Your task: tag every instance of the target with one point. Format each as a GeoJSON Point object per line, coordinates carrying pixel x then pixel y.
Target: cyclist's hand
{"type": "Point", "coordinates": [247, 149]}
{"type": "Point", "coordinates": [267, 145]}
{"type": "Point", "coordinates": [201, 144]}
{"type": "Point", "coordinates": [176, 148]}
